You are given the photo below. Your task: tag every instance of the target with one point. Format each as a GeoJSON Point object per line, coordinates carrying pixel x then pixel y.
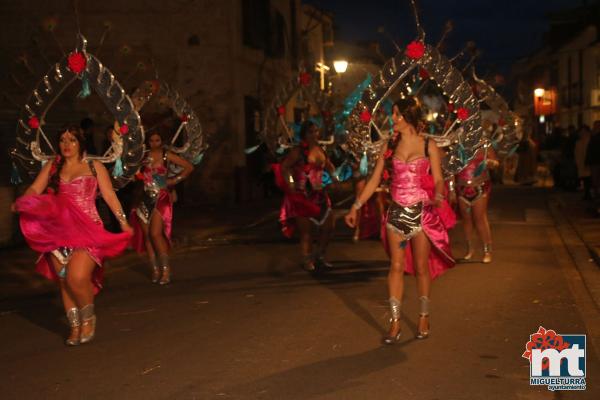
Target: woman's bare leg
{"type": "Point", "coordinates": [421, 247]}
{"type": "Point", "coordinates": [161, 245]}
{"type": "Point", "coordinates": [325, 234]}
{"type": "Point", "coordinates": [467, 219]}
{"type": "Point", "coordinates": [480, 216]}
{"type": "Point", "coordinates": [395, 284]}
{"type": "Point", "coordinates": [304, 227]}
{"type": "Point", "coordinates": [71, 309]}
{"type": "Point", "coordinates": [79, 283]}
{"type": "Point", "coordinates": [152, 261]}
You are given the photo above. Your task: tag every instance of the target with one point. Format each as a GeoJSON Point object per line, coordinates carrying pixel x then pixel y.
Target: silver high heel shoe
{"type": "Point", "coordinates": [395, 307]}
{"type": "Point", "coordinates": [75, 324]}
{"type": "Point", "coordinates": [320, 261]}
{"type": "Point", "coordinates": [88, 318]}
{"type": "Point", "coordinates": [308, 264]}
{"type": "Point", "coordinates": [155, 270]}
{"type": "Point", "coordinates": [165, 268]}
{"type": "Point", "coordinates": [469, 253]}
{"type": "Point", "coordinates": [487, 253]}
{"type": "Point", "coordinates": [424, 314]}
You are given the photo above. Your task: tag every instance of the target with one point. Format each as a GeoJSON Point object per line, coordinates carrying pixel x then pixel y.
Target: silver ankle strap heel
{"type": "Point", "coordinates": [308, 263]}
{"type": "Point", "coordinates": [163, 261]}
{"type": "Point", "coordinates": [487, 253]}
{"type": "Point", "coordinates": [74, 323]}
{"type": "Point", "coordinates": [155, 270]}
{"type": "Point", "coordinates": [395, 309]}
{"type": "Point", "coordinates": [88, 317]}
{"type": "Point", "coordinates": [319, 258]}
{"type": "Point", "coordinates": [424, 313]}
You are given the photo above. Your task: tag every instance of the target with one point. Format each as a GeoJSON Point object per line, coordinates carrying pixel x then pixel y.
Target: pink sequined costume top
{"type": "Point", "coordinates": [68, 221]}
{"type": "Point", "coordinates": [412, 183]}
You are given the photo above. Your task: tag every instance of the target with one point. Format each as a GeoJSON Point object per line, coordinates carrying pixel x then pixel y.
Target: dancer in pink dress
{"type": "Point", "coordinates": [64, 226]}
{"type": "Point", "coordinates": [473, 187]}
{"type": "Point", "coordinates": [152, 219]}
{"type": "Point", "coordinates": [306, 202]}
{"type": "Point", "coordinates": [418, 214]}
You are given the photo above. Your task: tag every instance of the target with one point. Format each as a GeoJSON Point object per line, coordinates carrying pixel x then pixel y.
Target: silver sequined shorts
{"type": "Point", "coordinates": [405, 220]}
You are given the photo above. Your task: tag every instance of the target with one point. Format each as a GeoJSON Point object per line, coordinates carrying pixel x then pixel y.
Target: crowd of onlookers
{"type": "Point", "coordinates": [573, 156]}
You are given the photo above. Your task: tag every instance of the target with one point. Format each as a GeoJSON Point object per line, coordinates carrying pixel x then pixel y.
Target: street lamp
{"type": "Point", "coordinates": [539, 92]}
{"type": "Point", "coordinates": [340, 66]}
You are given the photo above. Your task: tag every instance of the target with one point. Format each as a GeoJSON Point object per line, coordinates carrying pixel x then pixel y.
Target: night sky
{"type": "Point", "coordinates": [503, 30]}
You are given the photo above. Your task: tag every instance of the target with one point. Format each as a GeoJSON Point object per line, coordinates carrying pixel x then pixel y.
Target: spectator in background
{"type": "Point", "coordinates": [527, 165]}
{"type": "Point", "coordinates": [592, 159]}
{"type": "Point", "coordinates": [568, 168]}
{"type": "Point", "coordinates": [583, 171]}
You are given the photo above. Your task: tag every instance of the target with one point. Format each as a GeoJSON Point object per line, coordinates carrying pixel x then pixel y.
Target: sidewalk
{"type": "Point", "coordinates": [579, 230]}
{"type": "Point", "coordinates": [583, 218]}
{"type": "Point", "coordinates": [580, 214]}
{"type": "Point", "coordinates": [193, 226]}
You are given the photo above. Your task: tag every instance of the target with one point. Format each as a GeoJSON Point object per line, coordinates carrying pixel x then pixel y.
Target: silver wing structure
{"type": "Point", "coordinates": [443, 93]}
{"type": "Point", "coordinates": [33, 147]}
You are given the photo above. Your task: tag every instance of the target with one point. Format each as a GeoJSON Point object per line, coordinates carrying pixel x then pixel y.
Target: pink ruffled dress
{"type": "Point", "coordinates": [61, 223]}
{"type": "Point", "coordinates": [412, 190]}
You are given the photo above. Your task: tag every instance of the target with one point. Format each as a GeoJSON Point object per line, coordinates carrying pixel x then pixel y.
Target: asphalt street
{"type": "Point", "coordinates": [241, 320]}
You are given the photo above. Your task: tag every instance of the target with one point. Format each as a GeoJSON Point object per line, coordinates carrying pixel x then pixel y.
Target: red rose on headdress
{"type": "Point", "coordinates": [415, 50]}
{"type": "Point", "coordinates": [124, 129]}
{"type": "Point", "coordinates": [33, 122]}
{"type": "Point", "coordinates": [462, 113]}
{"type": "Point", "coordinates": [184, 118]}
{"type": "Point", "coordinates": [281, 110]}
{"type": "Point", "coordinates": [385, 175]}
{"type": "Point", "coordinates": [76, 62]}
{"type": "Point", "coordinates": [304, 78]}
{"type": "Point", "coordinates": [423, 74]}
{"type": "Point", "coordinates": [365, 116]}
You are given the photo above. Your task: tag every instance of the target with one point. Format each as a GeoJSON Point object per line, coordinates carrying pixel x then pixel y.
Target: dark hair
{"type": "Point", "coordinates": [411, 111]}
{"type": "Point", "coordinates": [305, 128]}
{"type": "Point", "coordinates": [77, 133]}
{"type": "Point", "coordinates": [153, 133]}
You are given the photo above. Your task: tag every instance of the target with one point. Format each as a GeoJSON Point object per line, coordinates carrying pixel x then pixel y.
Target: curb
{"type": "Point", "coordinates": [576, 247]}
{"type": "Point", "coordinates": [593, 250]}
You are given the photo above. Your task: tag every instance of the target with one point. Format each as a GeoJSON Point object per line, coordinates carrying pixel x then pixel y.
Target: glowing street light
{"type": "Point", "coordinates": [539, 92]}
{"type": "Point", "coordinates": [340, 66]}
